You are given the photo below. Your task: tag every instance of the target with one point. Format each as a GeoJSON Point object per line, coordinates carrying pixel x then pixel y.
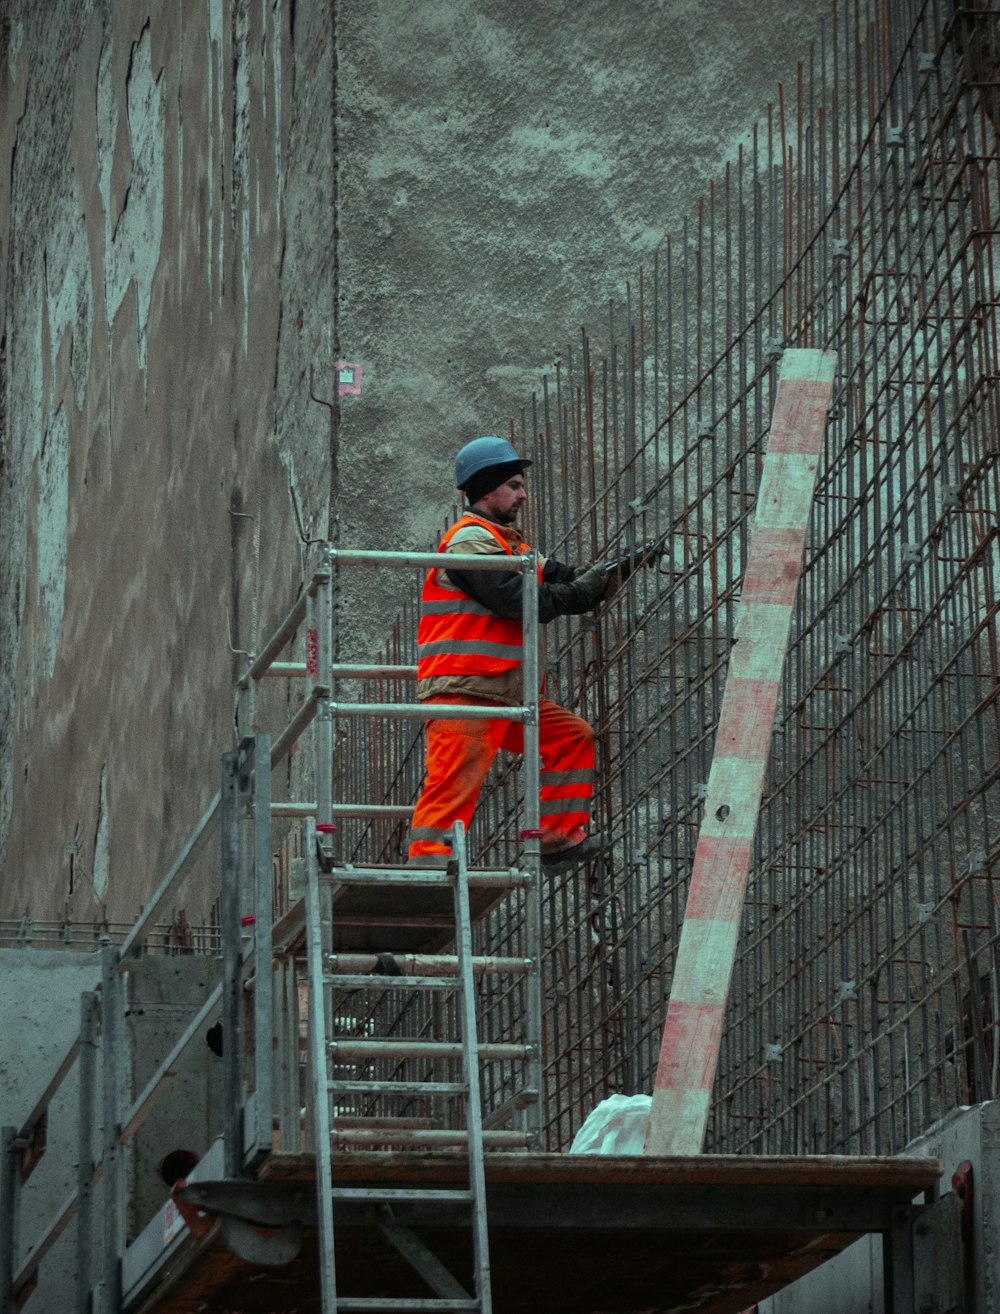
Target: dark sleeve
{"type": "Point", "coordinates": [500, 591]}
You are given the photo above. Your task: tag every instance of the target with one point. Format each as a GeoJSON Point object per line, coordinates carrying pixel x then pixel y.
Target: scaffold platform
{"type": "Point", "coordinates": [569, 1234]}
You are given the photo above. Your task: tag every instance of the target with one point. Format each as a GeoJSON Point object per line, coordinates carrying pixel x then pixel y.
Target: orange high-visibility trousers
{"type": "Point", "coordinates": [459, 754]}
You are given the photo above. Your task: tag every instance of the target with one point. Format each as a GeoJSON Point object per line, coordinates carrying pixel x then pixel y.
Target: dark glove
{"type": "Point", "coordinates": [647, 555]}
{"type": "Point", "coordinates": [591, 585]}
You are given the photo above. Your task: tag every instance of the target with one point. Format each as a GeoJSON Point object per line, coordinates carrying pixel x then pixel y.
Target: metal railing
{"type": "Point", "coordinates": [264, 1101]}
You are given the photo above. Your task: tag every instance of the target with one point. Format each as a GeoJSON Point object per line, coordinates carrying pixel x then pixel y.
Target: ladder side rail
{"type": "Point", "coordinates": [531, 835]}
{"type": "Point", "coordinates": [470, 1070]}
{"type": "Point", "coordinates": [318, 1072]}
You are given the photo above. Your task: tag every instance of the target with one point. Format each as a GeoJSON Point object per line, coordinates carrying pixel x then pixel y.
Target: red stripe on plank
{"type": "Point", "coordinates": [772, 573]}
{"type": "Point", "coordinates": [718, 878]}
{"type": "Point", "coordinates": [746, 724]}
{"type": "Point", "coordinates": [690, 1044]}
{"type": "Point", "coordinates": [799, 416]}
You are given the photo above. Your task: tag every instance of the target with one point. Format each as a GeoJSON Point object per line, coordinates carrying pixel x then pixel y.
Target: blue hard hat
{"type": "Point", "coordinates": [480, 453]}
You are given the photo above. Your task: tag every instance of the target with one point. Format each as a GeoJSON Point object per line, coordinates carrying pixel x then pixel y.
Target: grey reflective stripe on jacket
{"type": "Point", "coordinates": [578, 776]}
{"type": "Point", "coordinates": [454, 647]}
{"type": "Point", "coordinates": [460, 607]}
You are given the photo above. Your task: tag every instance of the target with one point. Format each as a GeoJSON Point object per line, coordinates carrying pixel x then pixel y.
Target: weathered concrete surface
{"type": "Point", "coordinates": [181, 267]}
{"type": "Point", "coordinates": [948, 1275]}
{"type": "Point", "coordinates": [40, 994]}
{"type": "Point", "coordinates": [153, 352]}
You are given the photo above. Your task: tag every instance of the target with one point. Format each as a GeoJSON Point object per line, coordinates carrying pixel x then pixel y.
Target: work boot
{"type": "Point", "coordinates": [562, 860]}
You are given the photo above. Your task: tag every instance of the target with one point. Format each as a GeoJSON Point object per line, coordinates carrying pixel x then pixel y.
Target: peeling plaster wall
{"type": "Point", "coordinates": [181, 266]}
{"type": "Point", "coordinates": [144, 150]}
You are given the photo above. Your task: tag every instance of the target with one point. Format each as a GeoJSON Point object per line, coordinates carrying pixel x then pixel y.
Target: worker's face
{"type": "Point", "coordinates": [504, 503]}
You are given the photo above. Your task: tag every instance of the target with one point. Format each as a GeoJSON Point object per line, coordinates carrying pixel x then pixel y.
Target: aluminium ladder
{"type": "Point", "coordinates": [357, 1080]}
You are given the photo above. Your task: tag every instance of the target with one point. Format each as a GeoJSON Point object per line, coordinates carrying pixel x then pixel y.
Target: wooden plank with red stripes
{"type": "Point", "coordinates": [692, 1034]}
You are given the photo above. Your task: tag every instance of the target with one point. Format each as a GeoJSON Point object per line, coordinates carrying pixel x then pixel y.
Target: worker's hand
{"type": "Point", "coordinates": [648, 554]}
{"type": "Point", "coordinates": [592, 584]}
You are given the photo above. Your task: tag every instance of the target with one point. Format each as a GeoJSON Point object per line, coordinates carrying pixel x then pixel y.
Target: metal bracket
{"type": "Point", "coordinates": [423, 1260]}
{"type": "Point", "coordinates": [325, 855]}
{"type": "Point", "coordinates": [262, 1222]}
{"type": "Point", "coordinates": [262, 1204]}
{"type": "Point", "coordinates": [961, 1184]}
{"type": "Point", "coordinates": [938, 1258]}
{"type": "Point", "coordinates": [257, 1247]}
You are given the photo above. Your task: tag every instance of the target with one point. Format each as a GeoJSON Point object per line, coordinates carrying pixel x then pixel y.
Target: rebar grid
{"type": "Point", "coordinates": [861, 217]}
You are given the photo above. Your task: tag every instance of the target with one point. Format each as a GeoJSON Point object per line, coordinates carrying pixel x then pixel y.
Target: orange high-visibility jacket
{"type": "Point", "coordinates": [459, 636]}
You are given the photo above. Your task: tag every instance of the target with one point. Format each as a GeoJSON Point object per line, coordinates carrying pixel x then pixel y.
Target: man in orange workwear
{"type": "Point", "coordinates": [469, 651]}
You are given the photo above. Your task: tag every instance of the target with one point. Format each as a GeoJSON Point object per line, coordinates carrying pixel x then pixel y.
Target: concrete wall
{"type": "Point", "coordinates": [181, 265]}
{"type": "Point", "coordinates": [40, 995]}
{"type": "Point", "coordinates": [948, 1280]}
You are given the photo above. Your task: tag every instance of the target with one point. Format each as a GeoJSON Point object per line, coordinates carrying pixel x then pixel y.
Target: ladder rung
{"type": "Point", "coordinates": [398, 1087]}
{"type": "Point", "coordinates": [401, 1303]}
{"type": "Point", "coordinates": [419, 964]}
{"type": "Point", "coordinates": [429, 1136]}
{"type": "Point", "coordinates": [446, 1195]}
{"type": "Point", "coordinates": [431, 1049]}
{"type": "Point", "coordinates": [348, 1122]}
{"type": "Point", "coordinates": [368, 982]}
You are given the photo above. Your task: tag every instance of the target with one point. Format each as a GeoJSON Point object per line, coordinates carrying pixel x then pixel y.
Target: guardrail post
{"type": "Point", "coordinates": [8, 1217]}
{"type": "Point", "coordinates": [232, 986]}
{"type": "Point", "coordinates": [113, 1074]}
{"type": "Point", "coordinates": [85, 1166]}
{"type": "Point", "coordinates": [531, 838]}
{"type": "Point", "coordinates": [264, 971]}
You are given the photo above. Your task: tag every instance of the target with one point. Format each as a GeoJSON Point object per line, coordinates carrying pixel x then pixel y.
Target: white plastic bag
{"type": "Point", "coordinates": [616, 1126]}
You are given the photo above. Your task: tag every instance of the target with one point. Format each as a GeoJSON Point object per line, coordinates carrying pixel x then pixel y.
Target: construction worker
{"type": "Point", "coordinates": [469, 651]}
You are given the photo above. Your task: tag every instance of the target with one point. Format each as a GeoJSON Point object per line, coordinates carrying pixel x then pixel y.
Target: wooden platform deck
{"type": "Point", "coordinates": [569, 1234]}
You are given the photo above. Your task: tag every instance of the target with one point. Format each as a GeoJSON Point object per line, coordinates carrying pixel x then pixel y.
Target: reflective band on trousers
{"type": "Point", "coordinates": [554, 778]}
{"type": "Point", "coordinates": [435, 834]}
{"type": "Point", "coordinates": [565, 807]}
